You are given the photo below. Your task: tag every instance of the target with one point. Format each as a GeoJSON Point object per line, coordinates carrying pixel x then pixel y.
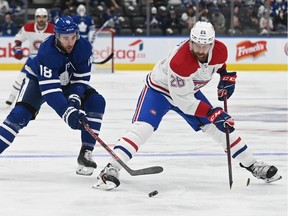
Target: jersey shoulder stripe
{"type": "Point", "coordinates": [50, 28]}
{"type": "Point", "coordinates": [183, 62]}
{"type": "Point", "coordinates": [219, 54]}
{"type": "Point", "coordinates": [29, 27]}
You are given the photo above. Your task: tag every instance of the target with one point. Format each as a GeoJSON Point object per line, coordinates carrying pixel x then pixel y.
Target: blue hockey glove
{"type": "Point", "coordinates": [18, 53]}
{"type": "Point", "coordinates": [74, 118]}
{"type": "Point", "coordinates": [221, 119]}
{"type": "Point", "coordinates": [74, 101]}
{"type": "Point", "coordinates": [226, 85]}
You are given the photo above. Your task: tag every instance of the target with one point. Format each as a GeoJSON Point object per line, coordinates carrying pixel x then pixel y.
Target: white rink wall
{"type": "Point", "coordinates": [141, 53]}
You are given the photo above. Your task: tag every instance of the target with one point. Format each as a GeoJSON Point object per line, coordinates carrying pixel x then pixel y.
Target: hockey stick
{"type": "Point", "coordinates": [105, 60]}
{"type": "Point", "coordinates": [99, 30]}
{"type": "Point", "coordinates": [228, 148]}
{"type": "Point", "coordinates": [145, 171]}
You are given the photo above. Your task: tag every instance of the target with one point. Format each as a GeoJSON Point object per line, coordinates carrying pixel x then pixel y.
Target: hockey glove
{"type": "Point", "coordinates": [74, 118]}
{"type": "Point", "coordinates": [226, 85]}
{"type": "Point", "coordinates": [75, 101]}
{"type": "Point", "coordinates": [18, 53]}
{"type": "Point", "coordinates": [221, 119]}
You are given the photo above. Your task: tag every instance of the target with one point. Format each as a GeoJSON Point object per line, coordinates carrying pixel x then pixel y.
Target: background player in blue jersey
{"type": "Point", "coordinates": [84, 22]}
{"type": "Point", "coordinates": [59, 75]}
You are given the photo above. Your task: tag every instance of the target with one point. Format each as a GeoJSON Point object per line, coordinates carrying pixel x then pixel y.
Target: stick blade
{"type": "Point", "coordinates": [147, 171]}
{"type": "Point", "coordinates": [105, 60]}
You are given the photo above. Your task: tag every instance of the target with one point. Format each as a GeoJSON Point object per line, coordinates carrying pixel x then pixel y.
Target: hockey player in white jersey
{"type": "Point", "coordinates": [175, 84]}
{"type": "Point", "coordinates": [34, 32]}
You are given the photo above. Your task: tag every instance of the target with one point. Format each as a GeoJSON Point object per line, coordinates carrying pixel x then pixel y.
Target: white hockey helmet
{"type": "Point", "coordinates": [81, 10]}
{"type": "Point", "coordinates": [202, 33]}
{"type": "Point", "coordinates": [41, 12]}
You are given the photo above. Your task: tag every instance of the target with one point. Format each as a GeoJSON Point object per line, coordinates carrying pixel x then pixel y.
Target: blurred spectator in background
{"type": "Point", "coordinates": [265, 21]}
{"type": "Point", "coordinates": [277, 6]}
{"type": "Point", "coordinates": [109, 3]}
{"type": "Point", "coordinates": [203, 14]}
{"type": "Point", "coordinates": [280, 21]}
{"type": "Point", "coordinates": [76, 3]}
{"type": "Point", "coordinates": [130, 2]}
{"type": "Point", "coordinates": [191, 16]}
{"type": "Point", "coordinates": [17, 7]}
{"type": "Point", "coordinates": [4, 7]}
{"type": "Point", "coordinates": [218, 20]}
{"type": "Point", "coordinates": [279, 15]}
{"type": "Point", "coordinates": [249, 19]}
{"type": "Point", "coordinates": [113, 18]}
{"type": "Point", "coordinates": [8, 28]}
{"type": "Point", "coordinates": [172, 23]}
{"type": "Point", "coordinates": [55, 12]}
{"type": "Point", "coordinates": [155, 19]}
{"type": "Point", "coordinates": [237, 27]}
{"type": "Point", "coordinates": [174, 2]}
{"type": "Point", "coordinates": [158, 3]}
{"type": "Point", "coordinates": [84, 22]}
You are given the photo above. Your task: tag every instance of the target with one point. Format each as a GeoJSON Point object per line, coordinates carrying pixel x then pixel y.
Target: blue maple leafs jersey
{"type": "Point", "coordinates": [58, 73]}
{"type": "Point", "coordinates": [85, 25]}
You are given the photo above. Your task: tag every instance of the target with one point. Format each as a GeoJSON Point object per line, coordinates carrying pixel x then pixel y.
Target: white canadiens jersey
{"type": "Point", "coordinates": [34, 36]}
{"type": "Point", "coordinates": [179, 76]}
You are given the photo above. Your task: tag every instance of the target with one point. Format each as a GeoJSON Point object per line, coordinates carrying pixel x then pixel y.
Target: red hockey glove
{"type": "Point", "coordinates": [221, 119]}
{"type": "Point", "coordinates": [18, 53]}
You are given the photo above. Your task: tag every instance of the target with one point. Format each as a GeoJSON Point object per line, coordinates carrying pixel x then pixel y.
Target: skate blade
{"type": "Point", "coordinates": [86, 171]}
{"type": "Point", "coordinates": [276, 177]}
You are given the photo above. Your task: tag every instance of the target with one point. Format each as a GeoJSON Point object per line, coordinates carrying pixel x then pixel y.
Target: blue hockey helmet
{"type": "Point", "coordinates": [65, 25]}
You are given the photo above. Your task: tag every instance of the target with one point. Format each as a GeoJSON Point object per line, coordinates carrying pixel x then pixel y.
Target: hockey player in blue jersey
{"type": "Point", "coordinates": [59, 75]}
{"type": "Point", "coordinates": [84, 22]}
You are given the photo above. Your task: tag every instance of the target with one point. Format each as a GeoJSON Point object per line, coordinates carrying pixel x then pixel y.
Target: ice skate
{"type": "Point", "coordinates": [108, 179]}
{"type": "Point", "coordinates": [86, 164]}
{"type": "Point", "coordinates": [260, 170]}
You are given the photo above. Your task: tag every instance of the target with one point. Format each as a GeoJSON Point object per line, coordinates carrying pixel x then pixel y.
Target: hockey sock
{"type": "Point", "coordinates": [130, 142]}
{"type": "Point", "coordinates": [239, 149]}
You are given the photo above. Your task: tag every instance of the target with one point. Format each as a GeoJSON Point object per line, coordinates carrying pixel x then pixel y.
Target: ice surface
{"type": "Point", "coordinates": [37, 172]}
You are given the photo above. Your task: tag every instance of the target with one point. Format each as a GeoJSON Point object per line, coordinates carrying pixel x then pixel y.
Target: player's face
{"type": "Point", "coordinates": [68, 41]}
{"type": "Point", "coordinates": [200, 51]}
{"type": "Point", "coordinates": [41, 21]}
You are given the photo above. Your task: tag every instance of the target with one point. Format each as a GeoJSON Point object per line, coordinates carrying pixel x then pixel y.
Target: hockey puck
{"type": "Point", "coordinates": [153, 193]}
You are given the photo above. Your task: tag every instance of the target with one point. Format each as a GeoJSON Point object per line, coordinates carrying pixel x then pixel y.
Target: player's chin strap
{"type": "Point", "coordinates": [144, 171]}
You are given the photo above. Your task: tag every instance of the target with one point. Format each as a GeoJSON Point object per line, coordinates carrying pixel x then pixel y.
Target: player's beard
{"type": "Point", "coordinates": [68, 49]}
{"type": "Point", "coordinates": [41, 24]}
{"type": "Point", "coordinates": [201, 57]}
